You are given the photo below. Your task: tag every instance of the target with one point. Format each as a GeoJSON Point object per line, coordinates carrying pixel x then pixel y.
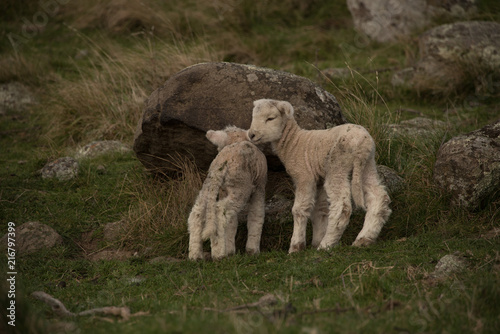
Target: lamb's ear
{"type": "Point", "coordinates": [285, 108]}
{"type": "Point", "coordinates": [218, 138]}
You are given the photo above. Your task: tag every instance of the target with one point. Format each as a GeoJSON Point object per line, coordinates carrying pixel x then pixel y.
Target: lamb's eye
{"type": "Point", "coordinates": [270, 119]}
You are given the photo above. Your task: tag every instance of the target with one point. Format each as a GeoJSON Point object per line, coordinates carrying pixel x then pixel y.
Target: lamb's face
{"type": "Point", "coordinates": [228, 136]}
{"type": "Point", "coordinates": [269, 118]}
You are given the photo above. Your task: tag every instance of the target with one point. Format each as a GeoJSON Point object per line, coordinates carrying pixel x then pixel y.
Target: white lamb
{"type": "Point", "coordinates": [321, 163]}
{"type": "Point", "coordinates": [237, 175]}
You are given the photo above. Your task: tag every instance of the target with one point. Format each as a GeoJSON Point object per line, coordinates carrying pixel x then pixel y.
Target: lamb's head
{"type": "Point", "coordinates": [269, 118]}
{"type": "Point", "coordinates": [228, 136]}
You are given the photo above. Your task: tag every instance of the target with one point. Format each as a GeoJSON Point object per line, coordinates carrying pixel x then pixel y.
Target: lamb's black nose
{"type": "Point", "coordinates": [251, 135]}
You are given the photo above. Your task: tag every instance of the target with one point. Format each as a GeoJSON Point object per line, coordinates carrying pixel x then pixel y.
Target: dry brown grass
{"type": "Point", "coordinates": [105, 101]}
{"type": "Point", "coordinates": [157, 221]}
{"type": "Point", "coordinates": [122, 17]}
{"type": "Point", "coordinates": [116, 16]}
{"type": "Point", "coordinates": [16, 67]}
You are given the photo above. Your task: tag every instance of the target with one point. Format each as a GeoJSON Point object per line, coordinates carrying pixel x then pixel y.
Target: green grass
{"type": "Point", "coordinates": [384, 288]}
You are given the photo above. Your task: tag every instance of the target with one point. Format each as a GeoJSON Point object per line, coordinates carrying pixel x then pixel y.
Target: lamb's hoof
{"type": "Point", "coordinates": [252, 251]}
{"type": "Point", "coordinates": [326, 247]}
{"type": "Point", "coordinates": [363, 242]}
{"type": "Point", "coordinates": [297, 247]}
{"type": "Point", "coordinates": [196, 257]}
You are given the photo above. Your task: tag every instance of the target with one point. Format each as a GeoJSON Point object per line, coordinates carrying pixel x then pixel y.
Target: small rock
{"type": "Point", "coordinates": [392, 181]}
{"type": "Point", "coordinates": [97, 148]}
{"type": "Point", "coordinates": [63, 169]}
{"type": "Point", "coordinates": [32, 237]}
{"type": "Point", "coordinates": [14, 96]}
{"type": "Point", "coordinates": [448, 265]}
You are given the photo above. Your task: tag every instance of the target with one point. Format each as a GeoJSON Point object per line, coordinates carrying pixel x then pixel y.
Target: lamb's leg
{"type": "Point", "coordinates": [305, 193]}
{"type": "Point", "coordinates": [338, 190]}
{"type": "Point", "coordinates": [319, 217]}
{"type": "Point", "coordinates": [377, 206]}
{"type": "Point", "coordinates": [195, 227]}
{"type": "Point", "coordinates": [231, 235]}
{"type": "Point", "coordinates": [255, 220]}
{"type": "Point", "coordinates": [218, 241]}
{"type": "Point", "coordinates": [227, 215]}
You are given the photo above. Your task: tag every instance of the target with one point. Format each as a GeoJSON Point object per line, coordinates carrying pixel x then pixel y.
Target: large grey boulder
{"type": "Point", "coordinates": [388, 20]}
{"type": "Point", "coordinates": [214, 95]}
{"type": "Point", "coordinates": [468, 166]}
{"type": "Point", "coordinates": [32, 237]}
{"type": "Point", "coordinates": [385, 20]}
{"type": "Point", "coordinates": [454, 55]}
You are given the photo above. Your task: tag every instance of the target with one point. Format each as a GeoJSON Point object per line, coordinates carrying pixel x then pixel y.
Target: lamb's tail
{"type": "Point", "coordinates": [211, 187]}
{"type": "Point", "coordinates": [357, 183]}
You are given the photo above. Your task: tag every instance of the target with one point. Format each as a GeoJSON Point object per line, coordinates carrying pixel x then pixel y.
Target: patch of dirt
{"type": "Point", "coordinates": [93, 249]}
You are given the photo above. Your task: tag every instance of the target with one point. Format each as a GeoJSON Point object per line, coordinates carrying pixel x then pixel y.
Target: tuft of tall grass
{"type": "Point", "coordinates": [157, 221]}
{"type": "Point", "coordinates": [360, 101]}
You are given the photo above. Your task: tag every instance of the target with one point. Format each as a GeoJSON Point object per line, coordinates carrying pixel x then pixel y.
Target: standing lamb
{"type": "Point", "coordinates": [326, 158]}
{"type": "Point", "coordinates": [237, 175]}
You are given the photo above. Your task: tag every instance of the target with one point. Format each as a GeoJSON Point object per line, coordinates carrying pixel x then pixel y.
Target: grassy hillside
{"type": "Point", "coordinates": [90, 65]}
